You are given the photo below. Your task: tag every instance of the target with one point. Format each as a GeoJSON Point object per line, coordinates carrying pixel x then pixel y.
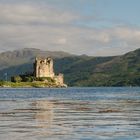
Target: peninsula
{"type": "Point", "coordinates": [42, 76]}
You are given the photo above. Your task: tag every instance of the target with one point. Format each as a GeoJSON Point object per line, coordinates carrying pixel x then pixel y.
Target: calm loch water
{"type": "Point", "coordinates": [70, 114]}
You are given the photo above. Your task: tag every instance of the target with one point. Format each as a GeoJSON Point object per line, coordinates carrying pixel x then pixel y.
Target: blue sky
{"type": "Point", "coordinates": [93, 27]}
{"type": "Point", "coordinates": [125, 11]}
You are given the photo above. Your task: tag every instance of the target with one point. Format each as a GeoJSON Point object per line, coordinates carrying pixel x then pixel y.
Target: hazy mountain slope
{"type": "Point", "coordinates": [80, 68]}
{"type": "Point", "coordinates": [129, 62]}
{"type": "Point", "coordinates": [7, 73]}
{"type": "Point", "coordinates": [120, 71]}
{"type": "Point", "coordinates": [19, 57]}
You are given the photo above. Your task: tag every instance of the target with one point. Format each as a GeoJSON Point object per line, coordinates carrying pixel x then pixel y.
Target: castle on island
{"type": "Point", "coordinates": [43, 67]}
{"type": "Point", "coordinates": [42, 75]}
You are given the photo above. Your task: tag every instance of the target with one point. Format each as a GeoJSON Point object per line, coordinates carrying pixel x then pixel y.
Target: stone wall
{"type": "Point", "coordinates": [59, 79]}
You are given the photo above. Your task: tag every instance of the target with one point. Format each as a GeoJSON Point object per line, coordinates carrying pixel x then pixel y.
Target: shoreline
{"type": "Point", "coordinates": [35, 84]}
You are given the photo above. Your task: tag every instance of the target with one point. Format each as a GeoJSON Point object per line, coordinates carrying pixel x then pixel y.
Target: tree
{"type": "Point", "coordinates": [16, 79]}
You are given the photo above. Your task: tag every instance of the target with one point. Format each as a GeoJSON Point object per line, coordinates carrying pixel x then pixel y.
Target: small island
{"type": "Point", "coordinates": [42, 76]}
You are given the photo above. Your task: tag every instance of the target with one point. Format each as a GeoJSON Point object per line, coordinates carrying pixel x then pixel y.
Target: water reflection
{"type": "Point", "coordinates": [99, 118]}
{"type": "Point", "coordinates": [45, 114]}
{"type": "Point", "coordinates": [66, 119]}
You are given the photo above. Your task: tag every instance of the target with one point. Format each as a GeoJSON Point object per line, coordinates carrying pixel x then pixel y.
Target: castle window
{"type": "Point", "coordinates": [42, 61]}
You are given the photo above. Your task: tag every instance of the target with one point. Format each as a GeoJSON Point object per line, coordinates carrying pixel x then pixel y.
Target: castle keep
{"type": "Point", "coordinates": [44, 68]}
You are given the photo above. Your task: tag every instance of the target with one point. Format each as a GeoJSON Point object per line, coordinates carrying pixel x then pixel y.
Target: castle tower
{"type": "Point", "coordinates": [43, 67]}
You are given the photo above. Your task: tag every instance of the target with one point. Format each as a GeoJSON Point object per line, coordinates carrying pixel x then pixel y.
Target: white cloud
{"type": "Point", "coordinates": [25, 14]}
{"type": "Point", "coordinates": [48, 28]}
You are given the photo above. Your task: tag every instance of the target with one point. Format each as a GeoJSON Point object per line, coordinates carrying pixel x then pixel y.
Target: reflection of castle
{"type": "Point", "coordinates": [44, 68]}
{"type": "Point", "coordinates": [45, 114]}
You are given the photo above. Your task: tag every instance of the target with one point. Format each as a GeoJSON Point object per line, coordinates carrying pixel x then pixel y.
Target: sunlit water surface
{"type": "Point", "coordinates": [70, 114]}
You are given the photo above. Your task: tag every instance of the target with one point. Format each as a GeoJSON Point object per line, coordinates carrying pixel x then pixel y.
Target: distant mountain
{"type": "Point", "coordinates": [106, 71]}
{"type": "Point", "coordinates": [27, 55]}
{"type": "Point", "coordinates": [81, 70]}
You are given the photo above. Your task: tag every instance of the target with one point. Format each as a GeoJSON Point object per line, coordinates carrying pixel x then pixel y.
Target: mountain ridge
{"type": "Point", "coordinates": [27, 55]}
{"type": "Point", "coordinates": [83, 70]}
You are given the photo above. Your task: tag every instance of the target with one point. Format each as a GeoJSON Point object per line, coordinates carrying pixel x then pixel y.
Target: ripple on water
{"type": "Point", "coordinates": [90, 115]}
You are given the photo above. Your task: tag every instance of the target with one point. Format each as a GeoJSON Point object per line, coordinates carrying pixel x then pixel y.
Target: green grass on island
{"type": "Point", "coordinates": [36, 84]}
{"type": "Point", "coordinates": [27, 82]}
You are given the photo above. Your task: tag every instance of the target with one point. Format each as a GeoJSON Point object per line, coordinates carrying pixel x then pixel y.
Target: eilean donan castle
{"type": "Point", "coordinates": [44, 68]}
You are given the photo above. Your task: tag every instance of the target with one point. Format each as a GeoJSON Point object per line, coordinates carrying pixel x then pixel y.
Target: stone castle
{"type": "Point", "coordinates": [44, 68]}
